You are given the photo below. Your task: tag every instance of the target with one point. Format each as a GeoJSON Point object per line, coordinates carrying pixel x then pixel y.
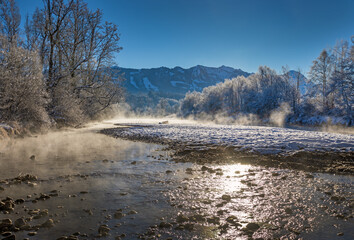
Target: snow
{"type": "Point", "coordinates": [174, 83]}
{"type": "Point", "coordinates": [258, 139]}
{"type": "Point", "coordinates": [149, 85]}
{"type": "Point", "coordinates": [132, 82]}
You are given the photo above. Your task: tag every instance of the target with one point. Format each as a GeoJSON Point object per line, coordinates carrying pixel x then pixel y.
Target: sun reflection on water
{"type": "Point", "coordinates": [233, 174]}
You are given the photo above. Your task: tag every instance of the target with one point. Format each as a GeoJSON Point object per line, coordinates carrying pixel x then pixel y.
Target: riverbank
{"type": "Point", "coordinates": [267, 146]}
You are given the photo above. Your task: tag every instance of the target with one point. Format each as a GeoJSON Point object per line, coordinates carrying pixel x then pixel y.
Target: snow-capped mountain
{"type": "Point", "coordinates": [303, 82]}
{"type": "Point", "coordinates": [145, 87]}
{"type": "Point", "coordinates": [177, 81]}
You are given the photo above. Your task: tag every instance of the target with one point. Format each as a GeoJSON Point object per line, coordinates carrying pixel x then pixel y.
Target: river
{"type": "Point", "coordinates": [90, 185]}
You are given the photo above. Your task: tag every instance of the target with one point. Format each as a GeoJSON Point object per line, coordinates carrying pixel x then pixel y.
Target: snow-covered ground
{"type": "Point", "coordinates": [264, 140]}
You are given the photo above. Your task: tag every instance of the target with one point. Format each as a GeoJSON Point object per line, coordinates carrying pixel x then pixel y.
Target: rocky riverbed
{"type": "Point", "coordinates": [79, 184]}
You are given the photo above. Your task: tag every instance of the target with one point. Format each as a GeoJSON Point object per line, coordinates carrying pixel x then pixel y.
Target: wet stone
{"type": "Point", "coordinates": [210, 170]}
{"type": "Point", "coordinates": [213, 220]}
{"type": "Point", "coordinates": [5, 224]}
{"type": "Point", "coordinates": [32, 233]}
{"type": "Point", "coordinates": [62, 238]}
{"type": "Point", "coordinates": [233, 221]}
{"type": "Point", "coordinates": [181, 218]}
{"type": "Point", "coordinates": [204, 168]}
{"type": "Point", "coordinates": [20, 222]}
{"type": "Point", "coordinates": [103, 230]}
{"type": "Point", "coordinates": [179, 227]}
{"type": "Point", "coordinates": [188, 226]}
{"type": "Point", "coordinates": [252, 227]}
{"type": "Point", "coordinates": [118, 215]}
{"type": "Point", "coordinates": [11, 237]}
{"type": "Point", "coordinates": [337, 198]}
{"type": "Point", "coordinates": [48, 224]}
{"type": "Point", "coordinates": [309, 175]}
{"type": "Point", "coordinates": [132, 212]}
{"type": "Point", "coordinates": [226, 197]}
{"type": "Point", "coordinates": [7, 205]}
{"type": "Point", "coordinates": [19, 201]}
{"type": "Point", "coordinates": [5, 234]}
{"type": "Point", "coordinates": [189, 171]}
{"type": "Point", "coordinates": [165, 225]}
{"type": "Point", "coordinates": [197, 218]}
{"type": "Point", "coordinates": [288, 211]}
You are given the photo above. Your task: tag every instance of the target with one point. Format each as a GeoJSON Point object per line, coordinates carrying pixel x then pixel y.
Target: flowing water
{"type": "Point", "coordinates": [86, 180]}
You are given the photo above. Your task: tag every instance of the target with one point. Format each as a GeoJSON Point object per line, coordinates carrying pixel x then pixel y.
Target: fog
{"type": "Point", "coordinates": [55, 152]}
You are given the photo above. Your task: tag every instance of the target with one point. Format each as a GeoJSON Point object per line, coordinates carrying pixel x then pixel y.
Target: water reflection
{"type": "Point", "coordinates": [95, 176]}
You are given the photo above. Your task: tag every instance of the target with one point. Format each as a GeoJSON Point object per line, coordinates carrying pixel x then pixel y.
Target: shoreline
{"type": "Point", "coordinates": [322, 162]}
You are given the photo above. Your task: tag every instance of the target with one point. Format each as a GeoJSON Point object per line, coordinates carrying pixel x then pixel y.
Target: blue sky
{"type": "Point", "coordinates": [241, 34]}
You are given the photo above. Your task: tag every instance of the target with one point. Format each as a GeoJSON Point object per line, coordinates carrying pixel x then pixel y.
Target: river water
{"type": "Point", "coordinates": [136, 191]}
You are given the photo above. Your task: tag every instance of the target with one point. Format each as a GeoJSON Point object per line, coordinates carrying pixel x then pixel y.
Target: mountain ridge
{"type": "Point", "coordinates": [146, 86]}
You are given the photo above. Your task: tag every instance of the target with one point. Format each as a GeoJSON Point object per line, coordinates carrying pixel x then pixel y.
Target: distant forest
{"type": "Point", "coordinates": [56, 71]}
{"type": "Point", "coordinates": [271, 97]}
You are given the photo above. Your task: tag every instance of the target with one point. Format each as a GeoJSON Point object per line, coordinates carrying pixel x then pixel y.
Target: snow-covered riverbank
{"type": "Point", "coordinates": [258, 139]}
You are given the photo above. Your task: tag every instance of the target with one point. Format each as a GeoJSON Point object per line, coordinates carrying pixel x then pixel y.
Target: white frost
{"type": "Point", "coordinates": [174, 83]}
{"type": "Point", "coordinates": [132, 82]}
{"type": "Point", "coordinates": [264, 140]}
{"type": "Point", "coordinates": [149, 85]}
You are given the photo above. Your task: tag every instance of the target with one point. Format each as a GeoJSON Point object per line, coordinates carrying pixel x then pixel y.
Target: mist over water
{"type": "Point", "coordinates": [96, 175]}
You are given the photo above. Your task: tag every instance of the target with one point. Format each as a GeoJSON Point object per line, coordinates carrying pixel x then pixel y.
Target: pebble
{"type": "Point", "coordinates": [103, 230]}
{"type": "Point", "coordinates": [132, 212]}
{"type": "Point", "coordinates": [288, 211]}
{"type": "Point", "coordinates": [226, 197]}
{"type": "Point", "coordinates": [48, 224]}
{"type": "Point", "coordinates": [11, 237]}
{"type": "Point", "coordinates": [19, 222]}
{"type": "Point", "coordinates": [252, 227]}
{"type": "Point", "coordinates": [118, 215]}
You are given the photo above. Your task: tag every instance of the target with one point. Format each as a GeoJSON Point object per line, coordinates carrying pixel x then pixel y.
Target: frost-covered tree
{"type": "Point", "coordinates": [342, 80]}
{"type": "Point", "coordinates": [258, 94]}
{"type": "Point", "coordinates": [76, 48]}
{"type": "Point", "coordinates": [22, 91]}
{"type": "Point", "coordinates": [319, 75]}
{"type": "Point", "coordinates": [190, 105]}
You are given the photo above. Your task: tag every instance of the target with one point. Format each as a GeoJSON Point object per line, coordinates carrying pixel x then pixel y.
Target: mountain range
{"type": "Point", "coordinates": [146, 86]}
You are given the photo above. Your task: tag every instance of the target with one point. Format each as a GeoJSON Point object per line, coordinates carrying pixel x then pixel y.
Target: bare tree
{"type": "Point", "coordinates": [77, 49]}
{"type": "Point", "coordinates": [10, 19]}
